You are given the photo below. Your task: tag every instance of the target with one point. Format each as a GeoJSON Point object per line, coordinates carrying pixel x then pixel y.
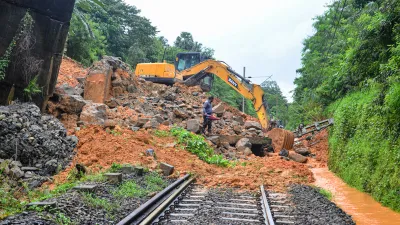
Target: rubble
{"type": "Point", "coordinates": [37, 143]}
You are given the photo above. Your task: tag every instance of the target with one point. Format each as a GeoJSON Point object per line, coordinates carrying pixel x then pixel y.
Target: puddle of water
{"type": "Point", "coordinates": [362, 207]}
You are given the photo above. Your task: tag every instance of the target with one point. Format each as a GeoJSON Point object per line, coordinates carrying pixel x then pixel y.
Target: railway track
{"type": "Point", "coordinates": [187, 203]}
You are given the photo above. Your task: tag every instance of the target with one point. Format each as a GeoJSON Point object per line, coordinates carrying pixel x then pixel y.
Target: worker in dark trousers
{"type": "Point", "coordinates": [207, 112]}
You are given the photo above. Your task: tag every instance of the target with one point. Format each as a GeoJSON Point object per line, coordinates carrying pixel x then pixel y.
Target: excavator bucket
{"type": "Point", "coordinates": [281, 139]}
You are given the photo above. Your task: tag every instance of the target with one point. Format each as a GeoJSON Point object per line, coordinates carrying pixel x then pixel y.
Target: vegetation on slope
{"type": "Point", "coordinates": [350, 70]}
{"type": "Point", "coordinates": [197, 145]}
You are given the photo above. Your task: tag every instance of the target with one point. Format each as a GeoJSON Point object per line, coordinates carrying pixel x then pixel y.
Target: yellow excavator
{"type": "Point", "coordinates": [192, 69]}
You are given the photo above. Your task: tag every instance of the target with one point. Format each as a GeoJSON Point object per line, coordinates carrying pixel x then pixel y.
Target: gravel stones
{"type": "Point", "coordinates": [313, 208]}
{"type": "Point", "coordinates": [34, 139]}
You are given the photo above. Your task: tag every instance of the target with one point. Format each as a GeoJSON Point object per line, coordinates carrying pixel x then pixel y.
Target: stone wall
{"type": "Point", "coordinates": [50, 28]}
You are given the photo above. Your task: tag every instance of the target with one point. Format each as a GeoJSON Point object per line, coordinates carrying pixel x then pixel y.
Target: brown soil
{"type": "Point", "coordinates": [69, 71]}
{"type": "Point", "coordinates": [320, 147]}
{"type": "Point", "coordinates": [98, 150]}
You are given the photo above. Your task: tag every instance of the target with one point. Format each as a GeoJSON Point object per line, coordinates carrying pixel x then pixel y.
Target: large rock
{"type": "Point", "coordinates": [142, 121]}
{"type": "Point", "coordinates": [297, 157]}
{"type": "Point", "coordinates": [193, 125]}
{"type": "Point", "coordinates": [243, 143]}
{"type": "Point", "coordinates": [302, 151]}
{"type": "Point", "coordinates": [72, 104]}
{"type": "Point", "coordinates": [98, 82]}
{"type": "Point", "coordinates": [94, 113]}
{"type": "Point", "coordinates": [16, 172]}
{"type": "Point", "coordinates": [247, 152]}
{"type": "Point", "coordinates": [181, 114]}
{"type": "Point", "coordinates": [252, 124]}
{"type": "Point", "coordinates": [152, 124]}
{"type": "Point", "coordinates": [239, 120]}
{"type": "Point", "coordinates": [219, 109]}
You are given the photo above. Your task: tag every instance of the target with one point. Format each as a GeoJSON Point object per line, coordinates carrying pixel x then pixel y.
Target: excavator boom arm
{"type": "Point", "coordinates": [250, 91]}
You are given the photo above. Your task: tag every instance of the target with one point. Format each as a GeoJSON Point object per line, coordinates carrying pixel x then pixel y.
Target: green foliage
{"type": "Point", "coordinates": [115, 167]}
{"type": "Point", "coordinates": [154, 182]}
{"type": "Point", "coordinates": [96, 202]}
{"type": "Point", "coordinates": [197, 145]}
{"type": "Point", "coordinates": [32, 89]}
{"type": "Point", "coordinates": [129, 189]}
{"type": "Point", "coordinates": [325, 193]}
{"type": "Point", "coordinates": [350, 70]}
{"type": "Point", "coordinates": [277, 103]}
{"type": "Point", "coordinates": [161, 133]}
{"type": "Point", "coordinates": [81, 46]}
{"type": "Point", "coordinates": [9, 204]}
{"type": "Point", "coordinates": [5, 59]}
{"type": "Point", "coordinates": [365, 144]}
{"type": "Point", "coordinates": [62, 219]}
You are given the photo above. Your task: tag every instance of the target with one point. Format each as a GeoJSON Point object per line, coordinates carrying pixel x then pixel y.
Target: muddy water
{"type": "Point", "coordinates": [362, 207]}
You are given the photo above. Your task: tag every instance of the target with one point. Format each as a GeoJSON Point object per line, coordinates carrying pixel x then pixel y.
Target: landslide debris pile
{"type": "Point", "coordinates": [111, 95]}
{"type": "Point", "coordinates": [31, 144]}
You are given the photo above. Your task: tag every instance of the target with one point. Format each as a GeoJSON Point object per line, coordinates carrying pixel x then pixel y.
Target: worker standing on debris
{"type": "Point", "coordinates": [207, 112]}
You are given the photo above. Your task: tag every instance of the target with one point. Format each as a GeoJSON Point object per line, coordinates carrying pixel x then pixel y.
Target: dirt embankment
{"type": "Point", "coordinates": [98, 150]}
{"type": "Point", "coordinates": [136, 108]}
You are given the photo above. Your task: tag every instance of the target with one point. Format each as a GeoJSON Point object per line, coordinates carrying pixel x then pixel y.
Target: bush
{"type": "Point", "coordinates": [197, 145]}
{"type": "Point", "coordinates": [365, 144]}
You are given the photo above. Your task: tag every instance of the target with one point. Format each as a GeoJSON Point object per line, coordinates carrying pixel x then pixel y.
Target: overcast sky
{"type": "Point", "coordinates": [265, 36]}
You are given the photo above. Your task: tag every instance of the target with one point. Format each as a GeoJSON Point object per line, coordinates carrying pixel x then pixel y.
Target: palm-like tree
{"type": "Point", "coordinates": [84, 6]}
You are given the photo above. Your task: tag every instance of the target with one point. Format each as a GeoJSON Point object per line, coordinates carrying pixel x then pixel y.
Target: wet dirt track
{"type": "Point", "coordinates": [362, 207]}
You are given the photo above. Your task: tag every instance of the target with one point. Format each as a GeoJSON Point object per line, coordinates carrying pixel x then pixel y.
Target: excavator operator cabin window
{"type": "Point", "coordinates": [181, 64]}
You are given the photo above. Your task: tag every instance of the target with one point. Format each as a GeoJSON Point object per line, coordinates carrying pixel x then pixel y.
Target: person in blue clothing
{"type": "Point", "coordinates": [207, 112]}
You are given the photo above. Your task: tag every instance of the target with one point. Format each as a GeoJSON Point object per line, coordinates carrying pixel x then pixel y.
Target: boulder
{"type": "Point", "coordinates": [239, 120]}
{"type": "Point", "coordinates": [225, 144]}
{"type": "Point", "coordinates": [297, 157]}
{"type": "Point", "coordinates": [214, 139]}
{"type": "Point", "coordinates": [284, 153]}
{"type": "Point", "coordinates": [112, 103]}
{"type": "Point", "coordinates": [152, 124]}
{"type": "Point", "coordinates": [180, 114]}
{"type": "Point", "coordinates": [16, 172]}
{"type": "Point", "coordinates": [228, 116]}
{"type": "Point", "coordinates": [167, 169]}
{"type": "Point", "coordinates": [252, 124]}
{"type": "Point", "coordinates": [247, 152]}
{"type": "Point", "coordinates": [302, 151]}
{"type": "Point", "coordinates": [110, 123]}
{"type": "Point", "coordinates": [193, 125]}
{"type": "Point", "coordinates": [72, 104]}
{"type": "Point", "coordinates": [244, 142]}
{"type": "Point", "coordinates": [94, 113]}
{"type": "Point", "coordinates": [219, 109]}
{"type": "Point", "coordinates": [142, 121]}
{"type": "Point", "coordinates": [158, 118]}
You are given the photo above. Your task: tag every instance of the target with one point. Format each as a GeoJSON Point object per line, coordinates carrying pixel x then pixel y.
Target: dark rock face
{"type": "Point", "coordinates": [33, 139]}
{"type": "Point", "coordinates": [50, 28]}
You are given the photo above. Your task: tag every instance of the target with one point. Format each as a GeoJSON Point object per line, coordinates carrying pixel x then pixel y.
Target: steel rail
{"type": "Point", "coordinates": [166, 203]}
{"type": "Point", "coordinates": [269, 220]}
{"type": "Point", "coordinates": [143, 208]}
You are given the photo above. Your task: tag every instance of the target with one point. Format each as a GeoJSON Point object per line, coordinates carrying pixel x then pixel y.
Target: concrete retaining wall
{"type": "Point", "coordinates": [51, 24]}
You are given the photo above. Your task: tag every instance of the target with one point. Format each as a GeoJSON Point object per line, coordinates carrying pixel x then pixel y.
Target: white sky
{"type": "Point", "coordinates": [265, 36]}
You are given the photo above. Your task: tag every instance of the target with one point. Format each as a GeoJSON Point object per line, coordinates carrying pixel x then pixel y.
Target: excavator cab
{"type": "Point", "coordinates": [186, 60]}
